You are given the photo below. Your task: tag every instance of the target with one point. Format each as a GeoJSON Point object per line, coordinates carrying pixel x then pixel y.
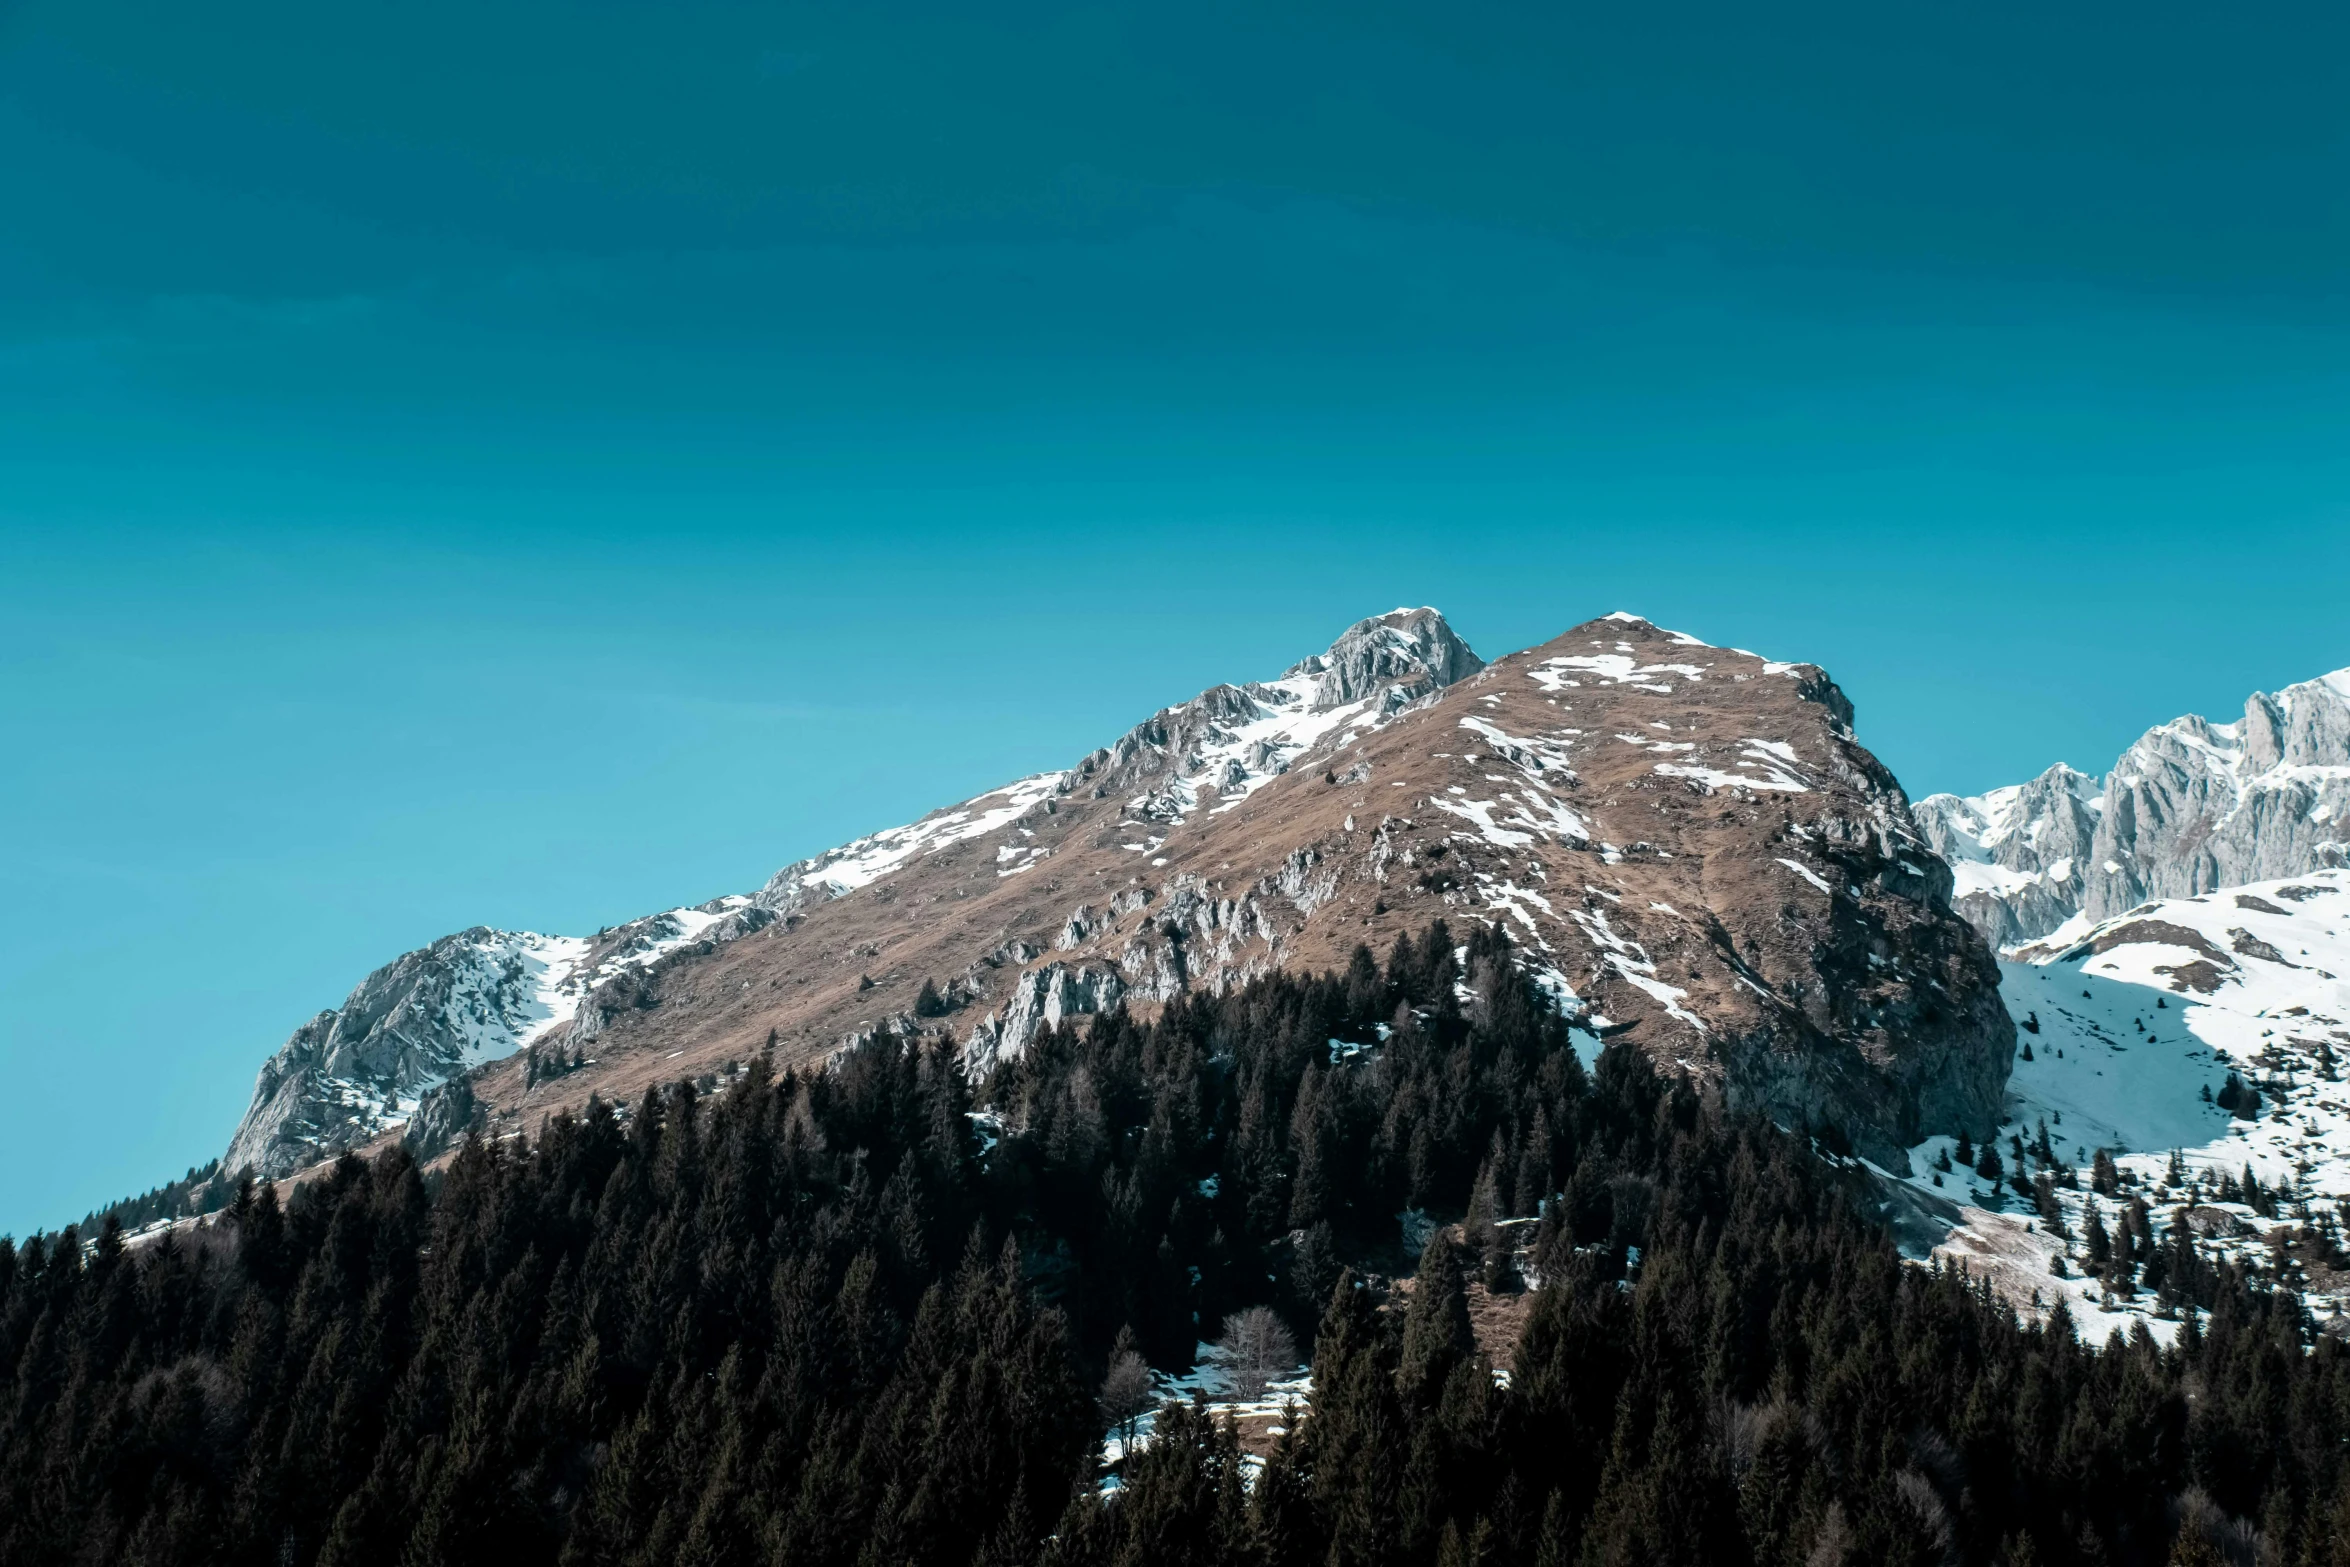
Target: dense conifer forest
{"type": "Point", "coordinates": [861, 1316]}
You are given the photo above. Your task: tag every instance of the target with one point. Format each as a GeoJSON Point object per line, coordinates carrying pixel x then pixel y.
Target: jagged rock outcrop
{"type": "Point", "coordinates": [1222, 745]}
{"type": "Point", "coordinates": [443, 1116]}
{"type": "Point", "coordinates": [2195, 806]}
{"type": "Point", "coordinates": [2191, 807]}
{"type": "Point", "coordinates": [1396, 657]}
{"type": "Point", "coordinates": [1043, 998]}
{"type": "Point", "coordinates": [429, 1016]}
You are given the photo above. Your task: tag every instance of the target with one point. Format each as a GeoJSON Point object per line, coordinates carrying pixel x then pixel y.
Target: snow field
{"type": "Point", "coordinates": [2126, 1043]}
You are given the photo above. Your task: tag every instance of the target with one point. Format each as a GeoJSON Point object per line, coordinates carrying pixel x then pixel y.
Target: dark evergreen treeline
{"type": "Point", "coordinates": [204, 1189]}
{"type": "Point", "coordinates": [843, 1318]}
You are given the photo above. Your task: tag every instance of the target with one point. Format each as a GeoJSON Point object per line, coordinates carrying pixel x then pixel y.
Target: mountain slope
{"type": "Point", "coordinates": [2190, 807]}
{"type": "Point", "coordinates": [430, 1017]}
{"type": "Point", "coordinates": [1689, 846]}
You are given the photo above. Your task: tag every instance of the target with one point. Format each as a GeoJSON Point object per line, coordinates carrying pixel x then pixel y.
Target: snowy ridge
{"type": "Point", "coordinates": [1230, 741]}
{"type": "Point", "coordinates": [1247, 739]}
{"type": "Point", "coordinates": [362, 1069]}
{"type": "Point", "coordinates": [2131, 1023]}
{"type": "Point", "coordinates": [644, 942]}
{"type": "Point", "coordinates": [838, 872]}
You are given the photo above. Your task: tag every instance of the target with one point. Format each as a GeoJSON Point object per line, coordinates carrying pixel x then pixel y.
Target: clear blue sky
{"type": "Point", "coordinates": [535, 464]}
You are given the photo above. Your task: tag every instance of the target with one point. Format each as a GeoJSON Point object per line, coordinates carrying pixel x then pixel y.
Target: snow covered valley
{"type": "Point", "coordinates": [2178, 1064]}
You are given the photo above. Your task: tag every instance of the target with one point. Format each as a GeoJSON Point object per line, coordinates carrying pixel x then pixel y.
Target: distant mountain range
{"type": "Point", "coordinates": [2192, 806]}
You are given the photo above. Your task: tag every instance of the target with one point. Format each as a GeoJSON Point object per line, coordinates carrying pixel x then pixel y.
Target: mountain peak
{"type": "Point", "coordinates": [1413, 651]}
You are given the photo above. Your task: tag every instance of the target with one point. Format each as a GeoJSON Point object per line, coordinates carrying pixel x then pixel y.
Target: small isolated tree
{"type": "Point", "coordinates": [1126, 1390]}
{"type": "Point", "coordinates": [930, 1003]}
{"type": "Point", "coordinates": [1987, 1166]}
{"type": "Point", "coordinates": [2239, 1098]}
{"type": "Point", "coordinates": [1257, 1349]}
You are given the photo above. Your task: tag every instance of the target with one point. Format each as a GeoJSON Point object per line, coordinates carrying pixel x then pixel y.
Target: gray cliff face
{"type": "Point", "coordinates": [2195, 806]}
{"type": "Point", "coordinates": [1883, 1062]}
{"type": "Point", "coordinates": [2192, 806]}
{"type": "Point", "coordinates": [420, 1019]}
{"type": "Point", "coordinates": [2017, 854]}
{"type": "Point", "coordinates": [443, 1117]}
{"type": "Point", "coordinates": [1041, 998]}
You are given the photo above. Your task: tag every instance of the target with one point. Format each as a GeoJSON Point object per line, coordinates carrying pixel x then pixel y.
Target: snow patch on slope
{"type": "Point", "coordinates": [838, 872]}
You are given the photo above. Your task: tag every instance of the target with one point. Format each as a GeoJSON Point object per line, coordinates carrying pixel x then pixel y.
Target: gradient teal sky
{"type": "Point", "coordinates": [534, 464]}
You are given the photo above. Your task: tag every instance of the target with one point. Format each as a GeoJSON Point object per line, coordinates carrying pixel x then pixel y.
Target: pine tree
{"type": "Point", "coordinates": [1437, 1334]}
{"type": "Point", "coordinates": [1355, 1440]}
{"type": "Point", "coordinates": [1313, 1187]}
{"type": "Point", "coordinates": [2099, 1242]}
{"type": "Point", "coordinates": [1368, 999]}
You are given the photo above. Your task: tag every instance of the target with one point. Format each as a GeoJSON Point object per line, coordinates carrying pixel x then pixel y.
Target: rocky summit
{"type": "Point", "coordinates": [1688, 846]}
{"type": "Point", "coordinates": [2191, 807]}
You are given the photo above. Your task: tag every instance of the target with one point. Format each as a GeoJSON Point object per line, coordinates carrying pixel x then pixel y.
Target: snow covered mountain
{"type": "Point", "coordinates": [2016, 854]}
{"type": "Point", "coordinates": [2193, 1039]}
{"type": "Point", "coordinates": [2191, 807]}
{"type": "Point", "coordinates": [1690, 846]}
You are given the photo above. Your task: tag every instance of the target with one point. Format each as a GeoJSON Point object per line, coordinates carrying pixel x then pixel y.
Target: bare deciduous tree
{"type": "Point", "coordinates": [1257, 1348]}
{"type": "Point", "coordinates": [1126, 1391]}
